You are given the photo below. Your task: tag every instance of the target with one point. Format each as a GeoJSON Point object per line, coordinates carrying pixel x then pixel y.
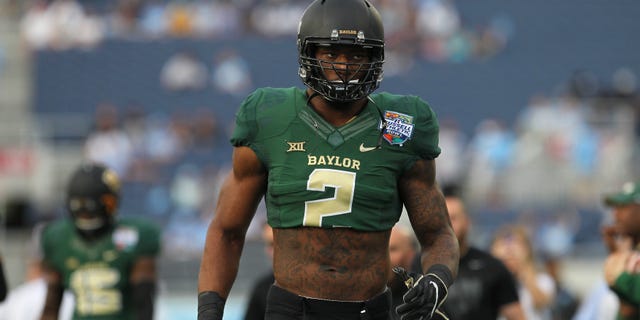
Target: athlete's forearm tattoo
{"type": "Point", "coordinates": [429, 217]}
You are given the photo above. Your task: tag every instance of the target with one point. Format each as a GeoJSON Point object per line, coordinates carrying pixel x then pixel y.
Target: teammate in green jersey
{"type": "Point", "coordinates": [335, 164]}
{"type": "Point", "coordinates": [108, 263]}
{"type": "Point", "coordinates": [622, 266]}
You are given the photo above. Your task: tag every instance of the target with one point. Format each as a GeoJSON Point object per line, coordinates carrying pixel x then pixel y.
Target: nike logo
{"type": "Point", "coordinates": [366, 149]}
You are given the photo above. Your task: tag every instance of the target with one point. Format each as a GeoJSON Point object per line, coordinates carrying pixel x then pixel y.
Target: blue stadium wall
{"type": "Point", "coordinates": [552, 40]}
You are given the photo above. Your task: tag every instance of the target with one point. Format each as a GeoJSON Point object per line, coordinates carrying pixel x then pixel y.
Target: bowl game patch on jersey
{"type": "Point", "coordinates": [399, 127]}
{"type": "Point", "coordinates": [125, 238]}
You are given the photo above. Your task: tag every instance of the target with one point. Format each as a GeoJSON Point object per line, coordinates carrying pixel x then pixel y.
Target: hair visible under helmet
{"type": "Point", "coordinates": [341, 22]}
{"type": "Point", "coordinates": [92, 199]}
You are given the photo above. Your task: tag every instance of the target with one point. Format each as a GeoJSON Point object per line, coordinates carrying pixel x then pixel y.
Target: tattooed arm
{"type": "Point", "coordinates": [429, 217]}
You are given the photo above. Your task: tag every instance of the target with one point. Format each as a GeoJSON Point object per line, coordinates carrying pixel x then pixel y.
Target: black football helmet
{"type": "Point", "coordinates": [92, 199]}
{"type": "Point", "coordinates": [341, 22]}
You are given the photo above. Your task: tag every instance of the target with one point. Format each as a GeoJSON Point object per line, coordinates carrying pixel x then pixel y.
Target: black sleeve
{"type": "Point", "coordinates": [507, 290]}
{"type": "Point", "coordinates": [3, 283]}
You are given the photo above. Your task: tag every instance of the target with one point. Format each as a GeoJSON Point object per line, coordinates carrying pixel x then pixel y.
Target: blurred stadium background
{"type": "Point", "coordinates": [538, 102]}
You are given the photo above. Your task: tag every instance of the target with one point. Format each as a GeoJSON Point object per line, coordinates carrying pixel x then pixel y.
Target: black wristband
{"type": "Point", "coordinates": [144, 294]}
{"type": "Point", "coordinates": [442, 272]}
{"type": "Point", "coordinates": [210, 306]}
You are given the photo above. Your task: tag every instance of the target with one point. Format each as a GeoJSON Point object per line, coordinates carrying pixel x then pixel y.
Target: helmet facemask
{"type": "Point", "coordinates": [355, 80]}
{"type": "Point", "coordinates": [92, 200]}
{"type": "Point", "coordinates": [91, 217]}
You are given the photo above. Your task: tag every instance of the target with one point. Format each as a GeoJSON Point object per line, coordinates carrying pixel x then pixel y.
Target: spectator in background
{"type": "Point", "coordinates": [452, 163]}
{"type": "Point", "coordinates": [123, 20]}
{"type": "Point", "coordinates": [180, 19]}
{"type": "Point", "coordinates": [398, 18]}
{"type": "Point", "coordinates": [565, 304]}
{"type": "Point", "coordinates": [275, 18]}
{"type": "Point", "coordinates": [622, 267]}
{"type": "Point", "coordinates": [436, 22]}
{"type": "Point", "coordinates": [403, 247]}
{"type": "Point", "coordinates": [153, 22]}
{"type": "Point", "coordinates": [37, 26]}
{"type": "Point", "coordinates": [108, 143]}
{"type": "Point", "coordinates": [231, 73]}
{"type": "Point", "coordinates": [184, 72]}
{"type": "Point", "coordinates": [204, 126]}
{"type": "Point", "coordinates": [490, 154]}
{"type": "Point", "coordinates": [601, 303]}
{"type": "Point", "coordinates": [258, 297]}
{"type": "Point", "coordinates": [217, 19]}
{"type": "Point", "coordinates": [484, 289]}
{"type": "Point", "coordinates": [536, 289]}
{"type": "Point", "coordinates": [554, 238]}
{"type": "Point", "coordinates": [26, 301]}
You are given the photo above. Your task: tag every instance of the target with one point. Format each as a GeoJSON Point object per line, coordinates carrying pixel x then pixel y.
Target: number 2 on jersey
{"type": "Point", "coordinates": [344, 184]}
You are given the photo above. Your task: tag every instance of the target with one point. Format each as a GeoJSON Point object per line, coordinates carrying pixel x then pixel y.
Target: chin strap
{"type": "Point", "coordinates": [313, 95]}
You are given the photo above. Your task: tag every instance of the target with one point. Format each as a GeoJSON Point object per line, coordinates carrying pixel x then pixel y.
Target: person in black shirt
{"type": "Point", "coordinates": [403, 247]}
{"type": "Point", "coordinates": [484, 289]}
{"type": "Point", "coordinates": [258, 297]}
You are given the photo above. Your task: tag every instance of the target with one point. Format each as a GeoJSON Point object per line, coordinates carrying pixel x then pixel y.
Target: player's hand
{"type": "Point", "coordinates": [422, 300]}
{"type": "Point", "coordinates": [619, 261]}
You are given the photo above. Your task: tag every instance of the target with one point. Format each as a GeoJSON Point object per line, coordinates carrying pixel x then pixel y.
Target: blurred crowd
{"type": "Point", "coordinates": [548, 169]}
{"type": "Point", "coordinates": [563, 151]}
{"type": "Point", "coordinates": [430, 29]}
{"type": "Point", "coordinates": [565, 148]}
{"type": "Point", "coordinates": [541, 172]}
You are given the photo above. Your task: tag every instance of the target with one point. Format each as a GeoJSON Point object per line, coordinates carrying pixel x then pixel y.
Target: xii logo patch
{"type": "Point", "coordinates": [296, 146]}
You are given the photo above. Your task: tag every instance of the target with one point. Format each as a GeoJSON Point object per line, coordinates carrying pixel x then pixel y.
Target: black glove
{"type": "Point", "coordinates": [426, 295]}
{"type": "Point", "coordinates": [210, 306]}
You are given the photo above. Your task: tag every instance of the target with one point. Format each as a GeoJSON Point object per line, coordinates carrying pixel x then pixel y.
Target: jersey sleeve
{"type": "Point", "coordinates": [425, 140]}
{"type": "Point", "coordinates": [245, 129]}
{"type": "Point", "coordinates": [149, 239]}
{"type": "Point", "coordinates": [627, 287]}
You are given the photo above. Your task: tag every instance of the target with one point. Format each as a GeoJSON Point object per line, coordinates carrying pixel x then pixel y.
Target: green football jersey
{"type": "Point", "coordinates": [325, 176]}
{"type": "Point", "coordinates": [97, 273]}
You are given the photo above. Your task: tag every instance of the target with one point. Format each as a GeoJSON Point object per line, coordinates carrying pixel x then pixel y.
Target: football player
{"type": "Point", "coordinates": [108, 263]}
{"type": "Point", "coordinates": [622, 266]}
{"type": "Point", "coordinates": [335, 164]}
